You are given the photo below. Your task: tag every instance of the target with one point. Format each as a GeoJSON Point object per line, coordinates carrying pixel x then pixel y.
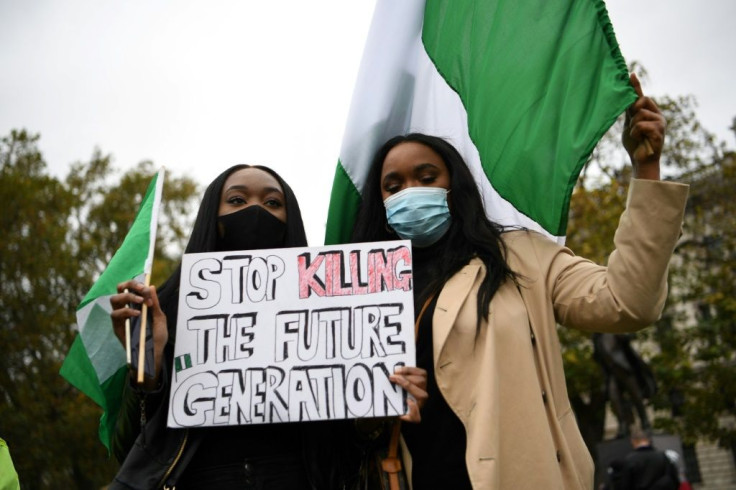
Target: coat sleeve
{"type": "Point", "coordinates": [630, 292]}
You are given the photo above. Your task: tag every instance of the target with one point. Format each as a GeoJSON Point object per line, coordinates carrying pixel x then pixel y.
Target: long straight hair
{"type": "Point", "coordinates": [204, 234]}
{"type": "Point", "coordinates": [471, 234]}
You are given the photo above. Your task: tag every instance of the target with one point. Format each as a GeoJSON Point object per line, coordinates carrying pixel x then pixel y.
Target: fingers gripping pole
{"type": "Point", "coordinates": [142, 336]}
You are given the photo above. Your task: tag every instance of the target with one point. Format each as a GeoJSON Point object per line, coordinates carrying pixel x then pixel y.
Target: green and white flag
{"type": "Point", "coordinates": [524, 90]}
{"type": "Point", "coordinates": [96, 362]}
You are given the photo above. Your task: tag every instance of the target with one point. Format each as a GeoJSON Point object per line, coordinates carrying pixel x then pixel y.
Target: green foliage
{"type": "Point", "coordinates": [692, 348]}
{"type": "Point", "coordinates": [594, 214]}
{"type": "Point", "coordinates": [57, 236]}
{"type": "Point", "coordinates": [688, 146]}
{"type": "Point", "coordinates": [697, 336]}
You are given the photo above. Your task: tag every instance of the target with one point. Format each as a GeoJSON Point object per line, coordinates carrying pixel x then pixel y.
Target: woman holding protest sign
{"type": "Point", "coordinates": [244, 208]}
{"type": "Point", "coordinates": [498, 414]}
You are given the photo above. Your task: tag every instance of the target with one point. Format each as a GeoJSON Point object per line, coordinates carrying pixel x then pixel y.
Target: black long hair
{"type": "Point", "coordinates": [204, 234]}
{"type": "Point", "coordinates": [471, 234]}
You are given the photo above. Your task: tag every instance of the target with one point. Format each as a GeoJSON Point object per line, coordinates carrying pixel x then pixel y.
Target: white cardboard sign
{"type": "Point", "coordinates": [291, 335]}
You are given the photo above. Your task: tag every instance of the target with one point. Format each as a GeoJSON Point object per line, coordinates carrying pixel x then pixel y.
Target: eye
{"type": "Point", "coordinates": [428, 179]}
{"type": "Point", "coordinates": [391, 186]}
{"type": "Point", "coordinates": [236, 200]}
{"type": "Point", "coordinates": [272, 202]}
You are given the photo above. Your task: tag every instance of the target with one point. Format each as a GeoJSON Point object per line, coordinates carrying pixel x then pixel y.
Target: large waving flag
{"type": "Point", "coordinates": [96, 363]}
{"type": "Point", "coordinates": [523, 89]}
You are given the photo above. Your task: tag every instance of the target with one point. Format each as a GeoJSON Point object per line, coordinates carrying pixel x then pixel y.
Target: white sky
{"type": "Point", "coordinates": [198, 86]}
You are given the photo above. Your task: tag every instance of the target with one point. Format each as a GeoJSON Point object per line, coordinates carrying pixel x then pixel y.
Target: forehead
{"type": "Point", "coordinates": [253, 179]}
{"type": "Point", "coordinates": [406, 156]}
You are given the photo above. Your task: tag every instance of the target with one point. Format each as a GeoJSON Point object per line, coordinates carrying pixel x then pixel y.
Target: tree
{"type": "Point", "coordinates": [696, 363]}
{"type": "Point", "coordinates": [593, 220]}
{"type": "Point", "coordinates": [691, 349]}
{"type": "Point", "coordinates": [57, 236]}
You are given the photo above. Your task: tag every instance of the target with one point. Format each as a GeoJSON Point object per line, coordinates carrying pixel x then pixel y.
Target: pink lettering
{"type": "Point", "coordinates": [380, 275]}
{"type": "Point", "coordinates": [402, 280]}
{"type": "Point", "coordinates": [308, 280]}
{"type": "Point", "coordinates": [333, 276]}
{"type": "Point", "coordinates": [358, 287]}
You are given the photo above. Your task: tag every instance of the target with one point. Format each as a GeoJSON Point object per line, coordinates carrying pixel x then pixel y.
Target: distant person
{"type": "Point", "coordinates": [613, 477]}
{"type": "Point", "coordinates": [647, 468]}
{"type": "Point", "coordinates": [8, 475]}
{"type": "Point", "coordinates": [679, 464]}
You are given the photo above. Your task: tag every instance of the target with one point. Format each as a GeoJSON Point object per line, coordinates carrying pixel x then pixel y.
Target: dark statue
{"type": "Point", "coordinates": [629, 380]}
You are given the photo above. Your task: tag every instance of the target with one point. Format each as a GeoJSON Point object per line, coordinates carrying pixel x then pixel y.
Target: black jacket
{"type": "Point", "coordinates": [647, 468]}
{"type": "Point", "coordinates": [151, 454]}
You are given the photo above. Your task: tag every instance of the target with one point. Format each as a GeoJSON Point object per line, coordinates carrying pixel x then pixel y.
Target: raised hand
{"type": "Point", "coordinates": [643, 134]}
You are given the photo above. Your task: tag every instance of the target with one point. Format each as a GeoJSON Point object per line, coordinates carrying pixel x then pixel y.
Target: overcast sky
{"type": "Point", "coordinates": [198, 86]}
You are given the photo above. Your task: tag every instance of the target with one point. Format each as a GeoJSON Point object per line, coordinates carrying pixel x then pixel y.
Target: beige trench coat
{"type": "Point", "coordinates": [507, 386]}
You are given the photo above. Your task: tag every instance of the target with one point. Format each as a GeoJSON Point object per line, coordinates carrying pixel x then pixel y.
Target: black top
{"type": "Point", "coordinates": [237, 443]}
{"type": "Point", "coordinates": [437, 444]}
{"type": "Point", "coordinates": [247, 457]}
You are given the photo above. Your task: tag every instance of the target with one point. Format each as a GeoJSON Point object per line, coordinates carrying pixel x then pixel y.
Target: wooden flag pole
{"type": "Point", "coordinates": [142, 336]}
{"type": "Point", "coordinates": [127, 338]}
{"type": "Point", "coordinates": [648, 145]}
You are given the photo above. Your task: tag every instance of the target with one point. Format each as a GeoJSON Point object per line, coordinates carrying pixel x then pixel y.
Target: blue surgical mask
{"type": "Point", "coordinates": [419, 214]}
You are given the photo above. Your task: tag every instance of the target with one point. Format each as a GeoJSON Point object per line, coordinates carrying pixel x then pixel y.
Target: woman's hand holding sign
{"type": "Point", "coordinates": [414, 381]}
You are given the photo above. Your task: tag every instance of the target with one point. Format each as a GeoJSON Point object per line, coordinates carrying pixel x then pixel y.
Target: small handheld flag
{"type": "Point", "coordinates": [96, 363]}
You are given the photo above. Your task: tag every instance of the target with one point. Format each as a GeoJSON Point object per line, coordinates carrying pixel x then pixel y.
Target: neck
{"type": "Point", "coordinates": [424, 255]}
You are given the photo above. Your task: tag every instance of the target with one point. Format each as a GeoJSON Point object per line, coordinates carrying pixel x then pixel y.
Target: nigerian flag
{"type": "Point", "coordinates": [96, 362]}
{"type": "Point", "coordinates": [524, 90]}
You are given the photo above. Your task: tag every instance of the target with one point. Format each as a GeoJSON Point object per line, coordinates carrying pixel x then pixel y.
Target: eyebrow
{"type": "Point", "coordinates": [238, 187]}
{"type": "Point", "coordinates": [424, 166]}
{"type": "Point", "coordinates": [418, 168]}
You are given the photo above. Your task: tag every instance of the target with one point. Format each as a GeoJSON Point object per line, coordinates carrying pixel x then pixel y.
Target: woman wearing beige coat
{"type": "Point", "coordinates": [498, 414]}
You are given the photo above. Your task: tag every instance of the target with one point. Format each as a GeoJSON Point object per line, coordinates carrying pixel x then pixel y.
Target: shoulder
{"type": "Point", "coordinates": [528, 251]}
{"type": "Point", "coordinates": [648, 454]}
{"type": "Point", "coordinates": [522, 239]}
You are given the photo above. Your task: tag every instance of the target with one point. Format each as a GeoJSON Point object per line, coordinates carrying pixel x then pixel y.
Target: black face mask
{"type": "Point", "coordinates": [251, 228]}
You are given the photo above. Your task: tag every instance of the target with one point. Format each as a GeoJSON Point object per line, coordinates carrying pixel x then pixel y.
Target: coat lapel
{"type": "Point", "coordinates": [451, 298]}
